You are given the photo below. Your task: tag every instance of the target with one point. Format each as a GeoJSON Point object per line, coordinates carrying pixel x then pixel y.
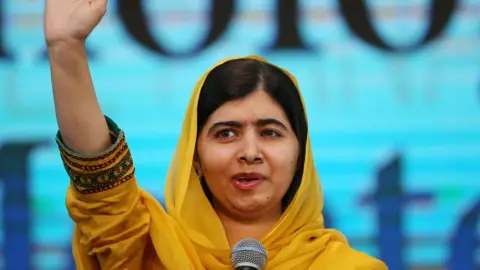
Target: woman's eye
{"type": "Point", "coordinates": [270, 133]}
{"type": "Point", "coordinates": [225, 133]}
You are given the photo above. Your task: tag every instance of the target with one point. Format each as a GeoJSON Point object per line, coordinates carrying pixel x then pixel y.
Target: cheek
{"type": "Point", "coordinates": [215, 160]}
{"type": "Point", "coordinates": [285, 161]}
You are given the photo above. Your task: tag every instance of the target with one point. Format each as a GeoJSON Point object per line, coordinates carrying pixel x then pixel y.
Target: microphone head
{"type": "Point", "coordinates": [248, 253]}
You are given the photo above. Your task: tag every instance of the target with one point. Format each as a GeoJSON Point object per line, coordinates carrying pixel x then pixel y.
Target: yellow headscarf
{"type": "Point", "coordinates": [191, 235]}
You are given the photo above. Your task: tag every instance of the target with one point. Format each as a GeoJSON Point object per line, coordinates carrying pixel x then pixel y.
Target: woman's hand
{"type": "Point", "coordinates": [71, 20]}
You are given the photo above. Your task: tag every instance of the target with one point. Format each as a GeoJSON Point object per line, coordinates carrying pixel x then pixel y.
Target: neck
{"type": "Point", "coordinates": [256, 227]}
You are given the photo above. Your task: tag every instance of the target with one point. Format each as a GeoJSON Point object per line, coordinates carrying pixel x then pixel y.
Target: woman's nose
{"type": "Point", "coordinates": [249, 150]}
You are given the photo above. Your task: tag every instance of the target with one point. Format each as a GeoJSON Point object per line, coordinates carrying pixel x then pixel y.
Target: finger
{"type": "Point", "coordinates": [99, 3]}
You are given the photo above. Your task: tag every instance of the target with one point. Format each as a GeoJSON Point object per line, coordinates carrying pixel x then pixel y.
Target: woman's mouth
{"type": "Point", "coordinates": [247, 181]}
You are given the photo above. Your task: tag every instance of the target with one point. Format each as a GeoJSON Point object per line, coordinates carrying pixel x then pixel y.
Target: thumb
{"type": "Point", "coordinates": [98, 5]}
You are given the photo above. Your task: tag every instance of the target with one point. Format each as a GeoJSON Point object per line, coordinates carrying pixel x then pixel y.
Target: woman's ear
{"type": "Point", "coordinates": [197, 165]}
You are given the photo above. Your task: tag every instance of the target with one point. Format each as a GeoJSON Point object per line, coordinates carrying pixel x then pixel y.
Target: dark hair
{"type": "Point", "coordinates": [237, 79]}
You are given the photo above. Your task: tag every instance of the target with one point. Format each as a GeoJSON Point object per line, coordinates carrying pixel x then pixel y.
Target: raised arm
{"type": "Point", "coordinates": [80, 119]}
{"type": "Point", "coordinates": [111, 222]}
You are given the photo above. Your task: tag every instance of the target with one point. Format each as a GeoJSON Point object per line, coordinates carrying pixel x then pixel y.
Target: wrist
{"type": "Point", "coordinates": [66, 47]}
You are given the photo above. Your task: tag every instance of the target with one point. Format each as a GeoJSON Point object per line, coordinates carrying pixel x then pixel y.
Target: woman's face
{"type": "Point", "coordinates": [247, 152]}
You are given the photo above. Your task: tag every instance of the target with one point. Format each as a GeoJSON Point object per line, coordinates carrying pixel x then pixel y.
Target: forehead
{"type": "Point", "coordinates": [256, 105]}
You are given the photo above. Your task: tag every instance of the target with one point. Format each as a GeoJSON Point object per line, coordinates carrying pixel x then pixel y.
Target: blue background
{"type": "Point", "coordinates": [396, 136]}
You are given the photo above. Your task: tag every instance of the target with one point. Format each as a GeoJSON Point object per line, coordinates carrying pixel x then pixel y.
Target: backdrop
{"type": "Point", "coordinates": [392, 93]}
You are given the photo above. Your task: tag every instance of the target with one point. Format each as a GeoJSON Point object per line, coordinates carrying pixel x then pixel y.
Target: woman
{"type": "Point", "coordinates": [243, 168]}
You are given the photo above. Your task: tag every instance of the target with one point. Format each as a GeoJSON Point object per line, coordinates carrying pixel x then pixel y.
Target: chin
{"type": "Point", "coordinates": [249, 208]}
{"type": "Point", "coordinates": [251, 205]}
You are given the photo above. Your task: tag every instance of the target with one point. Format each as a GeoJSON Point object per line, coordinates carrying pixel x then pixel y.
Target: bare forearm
{"type": "Point", "coordinates": [79, 116]}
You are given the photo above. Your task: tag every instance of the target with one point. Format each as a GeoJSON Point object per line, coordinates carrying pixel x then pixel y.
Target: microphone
{"type": "Point", "coordinates": [248, 254]}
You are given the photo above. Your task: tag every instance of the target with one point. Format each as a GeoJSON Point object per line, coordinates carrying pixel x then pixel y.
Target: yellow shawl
{"type": "Point", "coordinates": [189, 235]}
